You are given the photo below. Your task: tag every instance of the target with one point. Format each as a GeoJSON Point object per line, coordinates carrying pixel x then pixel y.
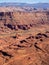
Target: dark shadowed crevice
{"type": "Point", "coordinates": [23, 27]}
{"type": "Point", "coordinates": [9, 26]}
{"type": "Point", "coordinates": [44, 35]}
{"type": "Point", "coordinates": [20, 46]}
{"type": "Point", "coordinates": [14, 37]}
{"type": "Point", "coordinates": [30, 37]}
{"type": "Point", "coordinates": [5, 53]}
{"type": "Point", "coordinates": [1, 13]}
{"type": "Point", "coordinates": [22, 41]}
{"type": "Point", "coordinates": [35, 45]}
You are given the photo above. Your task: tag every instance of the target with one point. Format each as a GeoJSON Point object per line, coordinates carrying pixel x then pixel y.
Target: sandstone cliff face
{"type": "Point", "coordinates": [24, 38]}
{"type": "Point", "coordinates": [23, 20]}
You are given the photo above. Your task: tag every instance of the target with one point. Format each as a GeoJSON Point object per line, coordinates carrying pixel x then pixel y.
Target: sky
{"type": "Point", "coordinates": [26, 1]}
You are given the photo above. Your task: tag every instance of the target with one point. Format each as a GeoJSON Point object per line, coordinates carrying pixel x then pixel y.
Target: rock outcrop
{"type": "Point", "coordinates": [24, 38]}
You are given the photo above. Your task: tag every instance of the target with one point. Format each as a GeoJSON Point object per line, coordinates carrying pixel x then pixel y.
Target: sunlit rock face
{"type": "Point", "coordinates": [24, 37]}
{"type": "Point", "coordinates": [23, 20]}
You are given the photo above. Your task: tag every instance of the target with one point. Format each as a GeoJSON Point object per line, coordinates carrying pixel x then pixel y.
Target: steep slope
{"type": "Point", "coordinates": [23, 20]}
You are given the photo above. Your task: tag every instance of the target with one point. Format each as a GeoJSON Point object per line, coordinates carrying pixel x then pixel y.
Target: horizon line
{"type": "Point", "coordinates": [26, 2]}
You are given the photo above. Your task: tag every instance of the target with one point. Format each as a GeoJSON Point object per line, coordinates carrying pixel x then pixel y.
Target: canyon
{"type": "Point", "coordinates": [24, 37]}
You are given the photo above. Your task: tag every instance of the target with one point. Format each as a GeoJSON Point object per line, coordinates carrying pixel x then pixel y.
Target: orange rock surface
{"type": "Point", "coordinates": [24, 38]}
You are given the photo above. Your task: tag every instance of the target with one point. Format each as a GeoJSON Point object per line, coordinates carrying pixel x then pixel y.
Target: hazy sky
{"type": "Point", "coordinates": [26, 1]}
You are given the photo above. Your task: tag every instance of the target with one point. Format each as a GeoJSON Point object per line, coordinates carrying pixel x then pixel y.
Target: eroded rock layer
{"type": "Point", "coordinates": [24, 38]}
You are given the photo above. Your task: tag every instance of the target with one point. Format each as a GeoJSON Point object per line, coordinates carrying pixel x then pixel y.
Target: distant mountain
{"type": "Point", "coordinates": [36, 5]}
{"type": "Point", "coordinates": [41, 5]}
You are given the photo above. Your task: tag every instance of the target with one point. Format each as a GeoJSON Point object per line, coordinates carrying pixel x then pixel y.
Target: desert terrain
{"type": "Point", "coordinates": [24, 37]}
